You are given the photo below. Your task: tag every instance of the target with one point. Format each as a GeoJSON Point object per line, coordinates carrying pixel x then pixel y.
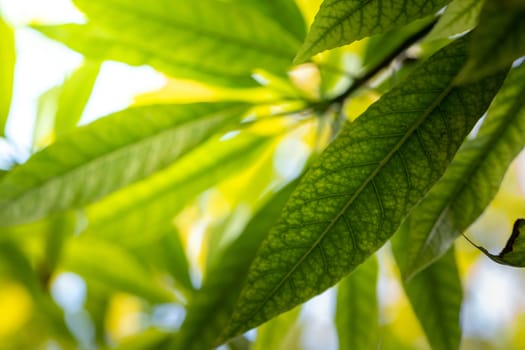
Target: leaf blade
{"type": "Point", "coordinates": [7, 70]}
{"type": "Point", "coordinates": [340, 195]}
{"type": "Point", "coordinates": [357, 314]}
{"type": "Point", "coordinates": [439, 219]}
{"type": "Point", "coordinates": [341, 22]}
{"type": "Point", "coordinates": [114, 158]}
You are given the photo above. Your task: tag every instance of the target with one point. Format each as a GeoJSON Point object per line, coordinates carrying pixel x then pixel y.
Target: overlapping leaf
{"type": "Point", "coordinates": [107, 155]}
{"type": "Point", "coordinates": [460, 16]}
{"type": "Point", "coordinates": [435, 295]}
{"type": "Point", "coordinates": [341, 22]}
{"type": "Point", "coordinates": [498, 40]}
{"type": "Point", "coordinates": [208, 40]}
{"type": "Point", "coordinates": [212, 306]}
{"type": "Point", "coordinates": [144, 210]}
{"type": "Point", "coordinates": [357, 314]}
{"type": "Point", "coordinates": [471, 181]}
{"type": "Point", "coordinates": [281, 333]}
{"type": "Point", "coordinates": [513, 254]}
{"type": "Point", "coordinates": [354, 198]}
{"type": "Point", "coordinates": [7, 70]}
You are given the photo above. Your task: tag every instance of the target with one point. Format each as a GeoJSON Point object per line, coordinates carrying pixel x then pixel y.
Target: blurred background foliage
{"type": "Point", "coordinates": [63, 286]}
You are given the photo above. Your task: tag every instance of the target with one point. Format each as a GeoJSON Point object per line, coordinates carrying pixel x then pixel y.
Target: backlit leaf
{"type": "Point", "coordinates": [107, 155]}
{"type": "Point", "coordinates": [357, 314]}
{"type": "Point", "coordinates": [471, 181]}
{"type": "Point", "coordinates": [7, 70]}
{"type": "Point", "coordinates": [435, 295]}
{"type": "Point", "coordinates": [354, 198]}
{"type": "Point", "coordinates": [209, 40]}
{"type": "Point", "coordinates": [341, 22]}
{"type": "Point", "coordinates": [281, 333]}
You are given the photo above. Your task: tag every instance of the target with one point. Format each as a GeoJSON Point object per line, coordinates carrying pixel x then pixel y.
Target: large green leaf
{"type": "Point", "coordinates": [354, 198]}
{"type": "Point", "coordinates": [113, 267]}
{"type": "Point", "coordinates": [471, 181]}
{"type": "Point", "coordinates": [106, 155]}
{"type": "Point", "coordinates": [210, 309]}
{"type": "Point", "coordinates": [460, 16]}
{"type": "Point", "coordinates": [435, 295]}
{"type": "Point", "coordinates": [217, 41]}
{"type": "Point", "coordinates": [341, 22]}
{"type": "Point", "coordinates": [357, 314]}
{"type": "Point", "coordinates": [498, 40]}
{"type": "Point", "coordinates": [7, 70]}
{"type": "Point", "coordinates": [145, 209]}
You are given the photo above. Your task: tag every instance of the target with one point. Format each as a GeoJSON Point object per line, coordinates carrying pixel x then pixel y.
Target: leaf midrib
{"type": "Point", "coordinates": [358, 192]}
{"type": "Point", "coordinates": [168, 22]}
{"type": "Point", "coordinates": [104, 155]}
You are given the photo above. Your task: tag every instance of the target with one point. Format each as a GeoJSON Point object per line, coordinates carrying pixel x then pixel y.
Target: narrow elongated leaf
{"type": "Point", "coordinates": [498, 40]}
{"type": "Point", "coordinates": [114, 267]}
{"type": "Point", "coordinates": [354, 198]}
{"type": "Point", "coordinates": [513, 254]}
{"type": "Point", "coordinates": [45, 118]}
{"type": "Point", "coordinates": [341, 22]}
{"type": "Point", "coordinates": [281, 333]}
{"type": "Point", "coordinates": [146, 208]}
{"type": "Point", "coordinates": [212, 306]}
{"type": "Point", "coordinates": [216, 41]}
{"type": "Point", "coordinates": [471, 181]}
{"type": "Point", "coordinates": [435, 295]}
{"type": "Point", "coordinates": [106, 155]}
{"type": "Point", "coordinates": [7, 70]}
{"type": "Point", "coordinates": [460, 16]}
{"type": "Point", "coordinates": [357, 314]}
{"type": "Point", "coordinates": [74, 95]}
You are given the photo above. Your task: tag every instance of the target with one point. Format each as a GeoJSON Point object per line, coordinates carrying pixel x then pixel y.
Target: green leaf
{"type": "Point", "coordinates": [106, 155]}
{"type": "Point", "coordinates": [113, 267]}
{"type": "Point", "coordinates": [285, 12]}
{"type": "Point", "coordinates": [357, 314]}
{"type": "Point", "coordinates": [498, 40]}
{"type": "Point", "coordinates": [7, 70]}
{"type": "Point", "coordinates": [471, 181]}
{"type": "Point", "coordinates": [45, 118]}
{"type": "Point", "coordinates": [513, 254]}
{"type": "Point", "coordinates": [435, 295]}
{"type": "Point", "coordinates": [281, 333]}
{"type": "Point", "coordinates": [354, 198]}
{"type": "Point", "coordinates": [341, 22]}
{"type": "Point", "coordinates": [213, 41]}
{"type": "Point", "coordinates": [74, 95]}
{"type": "Point", "coordinates": [211, 308]}
{"type": "Point", "coordinates": [460, 16]}
{"type": "Point", "coordinates": [145, 209]}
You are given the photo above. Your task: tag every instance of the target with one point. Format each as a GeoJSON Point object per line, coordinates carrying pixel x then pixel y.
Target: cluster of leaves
{"type": "Point", "coordinates": [100, 200]}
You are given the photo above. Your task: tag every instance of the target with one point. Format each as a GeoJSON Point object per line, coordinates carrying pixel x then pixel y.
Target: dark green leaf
{"type": "Point", "coordinates": [435, 295]}
{"type": "Point", "coordinates": [341, 22]}
{"type": "Point", "coordinates": [498, 40]}
{"type": "Point", "coordinates": [144, 210]}
{"type": "Point", "coordinates": [460, 16]}
{"type": "Point", "coordinates": [209, 40]}
{"type": "Point", "coordinates": [357, 314]}
{"type": "Point", "coordinates": [471, 181]}
{"type": "Point", "coordinates": [354, 198]}
{"type": "Point", "coordinates": [7, 70]}
{"type": "Point", "coordinates": [107, 155]}
{"type": "Point", "coordinates": [211, 308]}
{"type": "Point", "coordinates": [513, 254]}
